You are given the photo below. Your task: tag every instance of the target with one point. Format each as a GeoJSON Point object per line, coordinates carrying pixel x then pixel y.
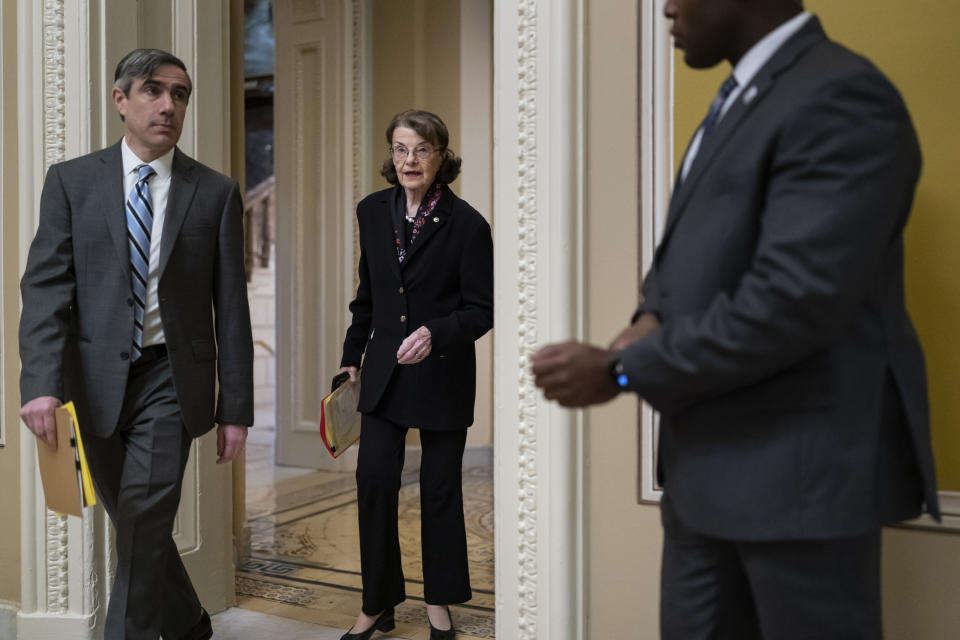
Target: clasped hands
{"type": "Point", "coordinates": [577, 374]}
{"type": "Point", "coordinates": [414, 348]}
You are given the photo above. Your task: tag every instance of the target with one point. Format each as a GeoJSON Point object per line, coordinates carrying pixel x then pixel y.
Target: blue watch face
{"type": "Point", "coordinates": [622, 380]}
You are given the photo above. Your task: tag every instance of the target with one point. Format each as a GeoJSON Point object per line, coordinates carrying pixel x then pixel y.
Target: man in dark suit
{"type": "Point", "coordinates": [773, 337]}
{"type": "Point", "coordinates": [134, 300]}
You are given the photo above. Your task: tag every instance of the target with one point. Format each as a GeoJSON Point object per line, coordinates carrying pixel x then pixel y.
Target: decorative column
{"type": "Point", "coordinates": [64, 561]}
{"type": "Point", "coordinates": [538, 195]}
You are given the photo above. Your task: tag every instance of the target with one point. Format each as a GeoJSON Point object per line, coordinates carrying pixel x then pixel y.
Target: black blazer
{"type": "Point", "coordinates": [786, 350]}
{"type": "Point", "coordinates": [446, 284]}
{"type": "Point", "coordinates": [76, 329]}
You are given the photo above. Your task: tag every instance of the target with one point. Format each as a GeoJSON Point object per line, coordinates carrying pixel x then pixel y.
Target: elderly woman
{"type": "Point", "coordinates": [425, 296]}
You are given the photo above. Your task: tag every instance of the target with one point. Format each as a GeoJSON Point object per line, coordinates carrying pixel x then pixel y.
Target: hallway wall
{"type": "Point", "coordinates": [9, 251]}
{"type": "Point", "coordinates": [416, 65]}
{"type": "Point", "coordinates": [622, 538]}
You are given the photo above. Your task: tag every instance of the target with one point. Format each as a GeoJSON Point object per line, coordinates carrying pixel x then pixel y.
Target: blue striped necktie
{"type": "Point", "coordinates": [716, 107]}
{"type": "Point", "coordinates": [139, 226]}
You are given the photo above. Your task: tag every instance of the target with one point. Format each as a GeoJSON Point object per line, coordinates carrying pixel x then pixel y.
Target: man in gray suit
{"type": "Point", "coordinates": [134, 302]}
{"type": "Point", "coordinates": [773, 337]}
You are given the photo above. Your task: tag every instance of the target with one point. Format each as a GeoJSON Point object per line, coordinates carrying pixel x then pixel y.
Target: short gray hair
{"type": "Point", "coordinates": [142, 64]}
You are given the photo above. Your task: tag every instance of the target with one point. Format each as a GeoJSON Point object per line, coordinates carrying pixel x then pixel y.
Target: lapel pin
{"type": "Point", "coordinates": [436, 219]}
{"type": "Point", "coordinates": [750, 94]}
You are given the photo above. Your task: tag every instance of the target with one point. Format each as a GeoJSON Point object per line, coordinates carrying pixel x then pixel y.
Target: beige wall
{"type": "Point", "coordinates": [416, 65]}
{"type": "Point", "coordinates": [917, 46]}
{"type": "Point", "coordinates": [10, 453]}
{"type": "Point", "coordinates": [921, 568]}
{"type": "Point", "coordinates": [475, 184]}
{"type": "Point", "coordinates": [623, 537]}
{"type": "Point", "coordinates": [437, 55]}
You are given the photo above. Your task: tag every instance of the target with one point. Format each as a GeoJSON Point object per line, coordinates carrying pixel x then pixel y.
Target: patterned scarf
{"type": "Point", "coordinates": [427, 206]}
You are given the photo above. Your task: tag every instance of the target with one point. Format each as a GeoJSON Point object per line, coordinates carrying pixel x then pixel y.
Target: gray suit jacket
{"type": "Point", "coordinates": [76, 329]}
{"type": "Point", "coordinates": [785, 339]}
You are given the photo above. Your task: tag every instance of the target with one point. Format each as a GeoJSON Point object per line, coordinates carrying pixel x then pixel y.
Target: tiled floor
{"type": "Point", "coordinates": [304, 562]}
{"type": "Point", "coordinates": [243, 624]}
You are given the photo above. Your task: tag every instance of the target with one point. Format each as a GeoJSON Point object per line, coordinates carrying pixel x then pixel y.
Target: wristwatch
{"type": "Point", "coordinates": [617, 373]}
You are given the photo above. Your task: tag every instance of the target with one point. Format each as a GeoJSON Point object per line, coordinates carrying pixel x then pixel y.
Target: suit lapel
{"type": "Point", "coordinates": [110, 184]}
{"type": "Point", "coordinates": [382, 233]}
{"type": "Point", "coordinates": [433, 223]}
{"type": "Point", "coordinates": [734, 117]}
{"type": "Point", "coordinates": [751, 95]}
{"type": "Point", "coordinates": [183, 186]}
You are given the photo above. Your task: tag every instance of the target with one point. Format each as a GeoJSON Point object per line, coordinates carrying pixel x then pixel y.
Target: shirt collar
{"type": "Point", "coordinates": [162, 165]}
{"type": "Point", "coordinates": [760, 53]}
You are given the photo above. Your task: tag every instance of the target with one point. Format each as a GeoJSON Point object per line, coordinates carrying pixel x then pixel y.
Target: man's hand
{"type": "Point", "coordinates": [415, 347]}
{"type": "Point", "coordinates": [574, 374]}
{"type": "Point", "coordinates": [38, 415]}
{"type": "Point", "coordinates": [646, 323]}
{"type": "Point", "coordinates": [231, 439]}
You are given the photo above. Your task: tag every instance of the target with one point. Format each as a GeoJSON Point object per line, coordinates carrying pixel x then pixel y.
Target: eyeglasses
{"type": "Point", "coordinates": [401, 153]}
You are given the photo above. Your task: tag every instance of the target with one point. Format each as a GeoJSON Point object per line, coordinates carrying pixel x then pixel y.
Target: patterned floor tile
{"type": "Point", "coordinates": [305, 550]}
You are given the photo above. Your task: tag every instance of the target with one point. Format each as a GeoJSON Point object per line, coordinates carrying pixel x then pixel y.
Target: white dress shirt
{"type": "Point", "coordinates": [751, 62]}
{"type": "Point", "coordinates": [159, 189]}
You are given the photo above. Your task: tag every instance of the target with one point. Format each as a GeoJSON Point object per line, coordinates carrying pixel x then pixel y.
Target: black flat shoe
{"type": "Point", "coordinates": [384, 622]}
{"type": "Point", "coordinates": [437, 634]}
{"type": "Point", "coordinates": [203, 630]}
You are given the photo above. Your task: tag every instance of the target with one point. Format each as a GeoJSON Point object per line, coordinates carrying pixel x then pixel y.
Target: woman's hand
{"type": "Point", "coordinates": [415, 347]}
{"type": "Point", "coordinates": [351, 370]}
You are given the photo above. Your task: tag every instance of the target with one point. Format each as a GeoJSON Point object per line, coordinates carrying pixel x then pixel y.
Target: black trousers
{"type": "Point", "coordinates": [715, 589]}
{"type": "Point", "coordinates": [138, 474]}
{"type": "Point", "coordinates": [443, 534]}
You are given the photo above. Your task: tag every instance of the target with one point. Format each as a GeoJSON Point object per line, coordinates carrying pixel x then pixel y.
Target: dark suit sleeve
{"type": "Point", "coordinates": [840, 184]}
{"type": "Point", "coordinates": [474, 316]}
{"type": "Point", "coordinates": [234, 334]}
{"type": "Point", "coordinates": [649, 298]}
{"type": "Point", "coordinates": [48, 288]}
{"type": "Point", "coordinates": [360, 308]}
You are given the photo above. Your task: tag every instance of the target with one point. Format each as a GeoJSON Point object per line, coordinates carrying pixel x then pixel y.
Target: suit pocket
{"type": "Point", "coordinates": [204, 350]}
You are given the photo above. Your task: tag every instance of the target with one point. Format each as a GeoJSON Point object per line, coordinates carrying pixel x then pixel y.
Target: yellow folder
{"type": "Point", "coordinates": [67, 483]}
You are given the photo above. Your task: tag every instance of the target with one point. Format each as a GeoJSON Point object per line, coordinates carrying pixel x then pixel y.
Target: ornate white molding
{"type": "Point", "coordinates": [527, 316]}
{"type": "Point", "coordinates": [60, 579]}
{"type": "Point", "coordinates": [54, 82]}
{"type": "Point", "coordinates": [54, 150]}
{"type": "Point", "coordinates": [358, 156]}
{"type": "Point", "coordinates": [538, 193]}
{"type": "Point", "coordinates": [58, 589]}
